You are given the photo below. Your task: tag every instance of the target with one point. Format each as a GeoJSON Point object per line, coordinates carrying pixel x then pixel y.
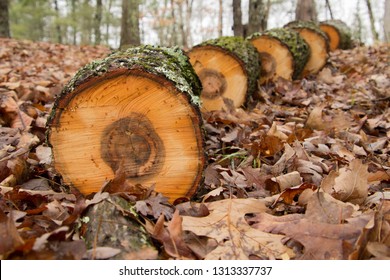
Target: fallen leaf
{"type": "Point", "coordinates": [350, 183]}
{"type": "Point", "coordinates": [236, 239]}
{"type": "Point", "coordinates": [172, 237]}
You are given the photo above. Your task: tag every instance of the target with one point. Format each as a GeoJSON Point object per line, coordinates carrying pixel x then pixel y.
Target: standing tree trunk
{"type": "Point", "coordinates": [329, 9]}
{"type": "Point", "coordinates": [130, 34]}
{"type": "Point", "coordinates": [58, 27]}
{"type": "Point", "coordinates": [4, 19]}
{"type": "Point", "coordinates": [257, 16]}
{"type": "Point", "coordinates": [306, 10]}
{"type": "Point", "coordinates": [98, 21]}
{"type": "Point", "coordinates": [220, 19]}
{"type": "Point", "coordinates": [189, 4]}
{"type": "Point", "coordinates": [372, 21]}
{"type": "Point", "coordinates": [386, 22]}
{"type": "Point", "coordinates": [74, 20]}
{"type": "Point", "coordinates": [238, 28]}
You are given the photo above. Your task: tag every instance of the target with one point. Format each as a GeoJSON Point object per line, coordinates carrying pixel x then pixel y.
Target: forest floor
{"type": "Point", "coordinates": [302, 173]}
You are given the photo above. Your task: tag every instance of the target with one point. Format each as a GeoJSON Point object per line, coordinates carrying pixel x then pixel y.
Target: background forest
{"type": "Point", "coordinates": [178, 22]}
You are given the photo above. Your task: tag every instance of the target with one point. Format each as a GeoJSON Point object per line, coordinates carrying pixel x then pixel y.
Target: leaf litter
{"type": "Point", "coordinates": [302, 173]}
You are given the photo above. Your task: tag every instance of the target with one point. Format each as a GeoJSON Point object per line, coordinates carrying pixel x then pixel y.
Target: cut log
{"type": "Point", "coordinates": [228, 68]}
{"type": "Point", "coordinates": [318, 43]}
{"type": "Point", "coordinates": [136, 111]}
{"type": "Point", "coordinates": [110, 225]}
{"type": "Point", "coordinates": [339, 34]}
{"type": "Point", "coordinates": [283, 53]}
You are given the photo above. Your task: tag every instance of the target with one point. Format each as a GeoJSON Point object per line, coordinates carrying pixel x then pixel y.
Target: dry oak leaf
{"type": "Point", "coordinates": [327, 230]}
{"type": "Point", "coordinates": [349, 184]}
{"type": "Point", "coordinates": [235, 237]}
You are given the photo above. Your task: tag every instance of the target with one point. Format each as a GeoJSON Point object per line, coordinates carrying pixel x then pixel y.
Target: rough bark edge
{"type": "Point", "coordinates": [298, 48]}
{"type": "Point", "coordinates": [299, 24]}
{"type": "Point", "coordinates": [244, 52]}
{"type": "Point", "coordinates": [344, 32]}
{"type": "Point", "coordinates": [159, 63]}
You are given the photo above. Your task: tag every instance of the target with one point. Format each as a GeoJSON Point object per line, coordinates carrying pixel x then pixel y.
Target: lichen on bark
{"type": "Point", "coordinates": [344, 32]}
{"type": "Point", "coordinates": [170, 63]}
{"type": "Point", "coordinates": [298, 48]}
{"type": "Point", "coordinates": [244, 52]}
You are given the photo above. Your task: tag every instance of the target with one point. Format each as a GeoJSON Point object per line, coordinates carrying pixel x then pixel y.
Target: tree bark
{"type": "Point", "coordinates": [306, 10]}
{"type": "Point", "coordinates": [133, 114]}
{"type": "Point", "coordinates": [238, 28]}
{"type": "Point", "coordinates": [228, 68]}
{"type": "Point", "coordinates": [339, 34]}
{"type": "Point", "coordinates": [220, 19]}
{"type": "Point", "coordinates": [318, 43]}
{"type": "Point", "coordinates": [4, 19]}
{"type": "Point", "coordinates": [58, 27]}
{"type": "Point", "coordinates": [283, 53]}
{"type": "Point", "coordinates": [111, 224]}
{"type": "Point", "coordinates": [98, 21]}
{"type": "Point", "coordinates": [257, 16]}
{"type": "Point", "coordinates": [386, 22]}
{"type": "Point", "coordinates": [130, 33]}
{"type": "Point", "coordinates": [372, 21]}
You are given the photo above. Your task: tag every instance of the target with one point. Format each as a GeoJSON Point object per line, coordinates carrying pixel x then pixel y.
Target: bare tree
{"type": "Point", "coordinates": [372, 21]}
{"type": "Point", "coordinates": [306, 10]}
{"type": "Point", "coordinates": [386, 21]}
{"type": "Point", "coordinates": [98, 21]}
{"type": "Point", "coordinates": [220, 18]}
{"type": "Point", "coordinates": [130, 33]}
{"type": "Point", "coordinates": [257, 16]}
{"type": "Point", "coordinates": [4, 19]}
{"type": "Point", "coordinates": [57, 25]}
{"type": "Point", "coordinates": [238, 28]}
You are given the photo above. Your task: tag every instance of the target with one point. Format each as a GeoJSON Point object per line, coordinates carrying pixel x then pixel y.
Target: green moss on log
{"type": "Point", "coordinates": [111, 223]}
{"type": "Point", "coordinates": [300, 24]}
{"type": "Point", "coordinates": [170, 63]}
{"type": "Point", "coordinates": [245, 53]}
{"type": "Point", "coordinates": [344, 32]}
{"type": "Point", "coordinates": [297, 46]}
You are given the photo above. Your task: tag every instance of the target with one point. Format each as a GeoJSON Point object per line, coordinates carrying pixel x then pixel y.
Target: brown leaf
{"type": "Point", "coordinates": [328, 230]}
{"type": "Point", "coordinates": [235, 238]}
{"type": "Point", "coordinates": [172, 237]}
{"type": "Point", "coordinates": [350, 183]}
{"type": "Point", "coordinates": [315, 120]}
{"type": "Point", "coordinates": [10, 238]}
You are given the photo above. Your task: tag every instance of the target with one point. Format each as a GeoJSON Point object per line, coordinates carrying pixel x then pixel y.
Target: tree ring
{"type": "Point", "coordinates": [133, 144]}
{"type": "Point", "coordinates": [213, 82]}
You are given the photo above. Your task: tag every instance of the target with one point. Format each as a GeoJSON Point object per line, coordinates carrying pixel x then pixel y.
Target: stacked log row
{"type": "Point", "coordinates": [318, 43]}
{"type": "Point", "coordinates": [338, 33]}
{"type": "Point", "coordinates": [134, 114]}
{"type": "Point", "coordinates": [283, 53]}
{"type": "Point", "coordinates": [228, 68]}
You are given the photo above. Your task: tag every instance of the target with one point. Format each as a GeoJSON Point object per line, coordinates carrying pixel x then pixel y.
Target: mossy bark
{"type": "Point", "coordinates": [110, 223]}
{"type": "Point", "coordinates": [298, 25]}
{"type": "Point", "coordinates": [318, 42]}
{"type": "Point", "coordinates": [295, 44]}
{"type": "Point", "coordinates": [170, 63]}
{"type": "Point", "coordinates": [244, 52]}
{"type": "Point", "coordinates": [135, 110]}
{"type": "Point", "coordinates": [344, 32]}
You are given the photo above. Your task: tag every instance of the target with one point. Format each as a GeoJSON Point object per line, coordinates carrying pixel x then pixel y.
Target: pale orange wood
{"type": "Point", "coordinates": [318, 51]}
{"type": "Point", "coordinates": [133, 120]}
{"type": "Point", "coordinates": [276, 59]}
{"type": "Point", "coordinates": [222, 77]}
{"type": "Point", "coordinates": [333, 35]}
